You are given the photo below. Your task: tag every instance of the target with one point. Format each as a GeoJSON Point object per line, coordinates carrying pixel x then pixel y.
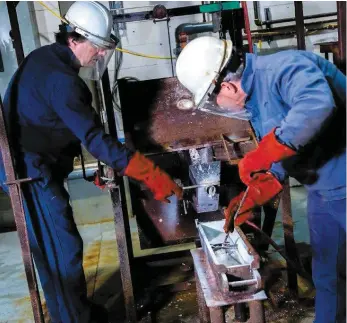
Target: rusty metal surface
{"type": "Point", "coordinates": [203, 309]}
{"type": "Point", "coordinates": [125, 251]}
{"type": "Point", "coordinates": [289, 242]}
{"type": "Point", "coordinates": [341, 17]}
{"type": "Point", "coordinates": [212, 295]}
{"type": "Point", "coordinates": [256, 312]}
{"type": "Point", "coordinates": [15, 193]}
{"type": "Point", "coordinates": [152, 120]}
{"type": "Point", "coordinates": [170, 221]}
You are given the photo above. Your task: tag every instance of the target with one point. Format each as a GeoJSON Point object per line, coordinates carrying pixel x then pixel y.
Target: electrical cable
{"type": "Point", "coordinates": [123, 50]}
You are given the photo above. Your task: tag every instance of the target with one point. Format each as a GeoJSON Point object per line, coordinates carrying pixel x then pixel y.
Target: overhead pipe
{"type": "Point", "coordinates": [183, 30]}
{"type": "Point", "coordinates": [258, 22]}
{"type": "Point", "coordinates": [289, 27]}
{"type": "Point", "coordinates": [280, 21]}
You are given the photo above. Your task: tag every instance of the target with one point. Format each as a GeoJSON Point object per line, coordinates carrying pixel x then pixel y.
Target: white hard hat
{"type": "Point", "coordinates": [200, 63]}
{"type": "Point", "coordinates": [92, 20]}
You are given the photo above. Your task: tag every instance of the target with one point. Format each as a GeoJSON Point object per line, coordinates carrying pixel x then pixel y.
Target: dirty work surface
{"type": "Point", "coordinates": [104, 285]}
{"type": "Point", "coordinates": [152, 117]}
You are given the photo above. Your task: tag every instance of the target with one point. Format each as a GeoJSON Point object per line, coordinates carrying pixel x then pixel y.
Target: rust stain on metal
{"type": "Point", "coordinates": [178, 128]}
{"type": "Point", "coordinates": [165, 124]}
{"type": "Point", "coordinates": [170, 221]}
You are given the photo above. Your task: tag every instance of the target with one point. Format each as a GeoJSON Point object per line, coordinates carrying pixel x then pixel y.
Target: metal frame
{"type": "Point", "coordinates": [16, 196]}
{"type": "Point", "coordinates": [341, 17]}
{"type": "Point", "coordinates": [15, 31]}
{"type": "Point", "coordinates": [299, 25]}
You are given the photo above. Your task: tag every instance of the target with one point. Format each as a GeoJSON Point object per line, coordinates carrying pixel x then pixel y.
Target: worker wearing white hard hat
{"type": "Point", "coordinates": [296, 103]}
{"type": "Point", "coordinates": [49, 114]}
{"type": "Point", "coordinates": [93, 22]}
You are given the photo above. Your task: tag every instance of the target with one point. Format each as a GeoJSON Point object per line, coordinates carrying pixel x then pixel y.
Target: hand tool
{"type": "Point", "coordinates": [233, 218]}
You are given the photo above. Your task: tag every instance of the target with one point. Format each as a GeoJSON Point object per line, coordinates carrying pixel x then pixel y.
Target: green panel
{"type": "Point", "coordinates": [214, 7]}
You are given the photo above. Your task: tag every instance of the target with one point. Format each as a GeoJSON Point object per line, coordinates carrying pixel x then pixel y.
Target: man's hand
{"type": "Point", "coordinates": [159, 182]}
{"type": "Point", "coordinates": [268, 152]}
{"type": "Point", "coordinates": [261, 189]}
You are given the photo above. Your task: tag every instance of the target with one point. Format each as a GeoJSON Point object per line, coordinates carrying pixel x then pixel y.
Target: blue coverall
{"type": "Point", "coordinates": [297, 92]}
{"type": "Point", "coordinates": [48, 113]}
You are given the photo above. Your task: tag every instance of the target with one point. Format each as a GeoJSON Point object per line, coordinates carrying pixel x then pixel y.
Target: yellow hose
{"type": "Point", "coordinates": [123, 50]}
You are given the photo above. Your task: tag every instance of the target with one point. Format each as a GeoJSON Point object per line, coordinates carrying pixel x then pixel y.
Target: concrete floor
{"type": "Point", "coordinates": [104, 285]}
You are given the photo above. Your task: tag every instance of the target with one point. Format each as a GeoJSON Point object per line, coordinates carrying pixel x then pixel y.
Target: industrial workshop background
{"type": "Point", "coordinates": [267, 23]}
{"type": "Point", "coordinates": [152, 34]}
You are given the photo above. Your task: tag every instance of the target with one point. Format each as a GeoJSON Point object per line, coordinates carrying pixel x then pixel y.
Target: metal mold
{"type": "Point", "coordinates": [233, 263]}
{"type": "Point", "coordinates": [206, 199]}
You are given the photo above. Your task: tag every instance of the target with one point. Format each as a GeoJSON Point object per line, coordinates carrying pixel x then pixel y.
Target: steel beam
{"type": "Point", "coordinates": [300, 27]}
{"type": "Point", "coordinates": [15, 31]}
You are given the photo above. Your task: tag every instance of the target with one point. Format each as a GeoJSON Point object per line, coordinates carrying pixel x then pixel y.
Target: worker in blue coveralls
{"type": "Point", "coordinates": [48, 113]}
{"type": "Point", "coordinates": [296, 104]}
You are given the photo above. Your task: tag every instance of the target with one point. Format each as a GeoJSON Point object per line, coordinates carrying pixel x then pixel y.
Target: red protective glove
{"type": "Point", "coordinates": [143, 169]}
{"type": "Point", "coordinates": [268, 152]}
{"type": "Point", "coordinates": [261, 189]}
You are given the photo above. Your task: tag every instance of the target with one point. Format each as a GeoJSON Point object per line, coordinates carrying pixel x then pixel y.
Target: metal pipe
{"type": "Point", "coordinates": [280, 21]}
{"type": "Point", "coordinates": [300, 27]}
{"type": "Point", "coordinates": [341, 17]}
{"type": "Point", "coordinates": [246, 282]}
{"type": "Point", "coordinates": [247, 26]}
{"type": "Point", "coordinates": [258, 22]}
{"type": "Point", "coordinates": [15, 31]}
{"type": "Point", "coordinates": [190, 29]}
{"type": "Point", "coordinates": [289, 27]}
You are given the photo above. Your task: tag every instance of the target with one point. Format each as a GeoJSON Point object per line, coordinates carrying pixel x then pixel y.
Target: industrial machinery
{"type": "Point", "coordinates": [200, 151]}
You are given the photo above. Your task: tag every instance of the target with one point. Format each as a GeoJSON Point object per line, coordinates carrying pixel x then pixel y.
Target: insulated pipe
{"type": "Point", "coordinates": [247, 26]}
{"type": "Point", "coordinates": [190, 29]}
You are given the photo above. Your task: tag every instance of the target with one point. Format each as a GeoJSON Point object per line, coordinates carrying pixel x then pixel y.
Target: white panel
{"type": "Point", "coordinates": [51, 4]}
{"type": "Point", "coordinates": [266, 4]}
{"type": "Point", "coordinates": [145, 32]}
{"type": "Point", "coordinates": [47, 22]}
{"type": "Point", "coordinates": [279, 11]}
{"type": "Point", "coordinates": [147, 72]}
{"type": "Point", "coordinates": [317, 7]}
{"type": "Point", "coordinates": [152, 49]}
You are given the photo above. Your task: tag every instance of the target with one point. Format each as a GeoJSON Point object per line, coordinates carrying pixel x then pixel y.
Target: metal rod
{"type": "Point", "coordinates": [169, 38]}
{"type": "Point", "coordinates": [15, 193]}
{"type": "Point", "coordinates": [200, 185]}
{"type": "Point", "coordinates": [121, 219]}
{"type": "Point", "coordinates": [15, 31]}
{"type": "Point", "coordinates": [341, 17]}
{"type": "Point", "coordinates": [247, 26]}
{"type": "Point", "coordinates": [237, 212]}
{"type": "Point", "coordinates": [280, 21]}
{"type": "Point", "coordinates": [289, 242]}
{"type": "Point", "coordinates": [300, 27]}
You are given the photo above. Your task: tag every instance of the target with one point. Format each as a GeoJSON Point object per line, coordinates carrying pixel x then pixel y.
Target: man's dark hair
{"type": "Point", "coordinates": [62, 37]}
